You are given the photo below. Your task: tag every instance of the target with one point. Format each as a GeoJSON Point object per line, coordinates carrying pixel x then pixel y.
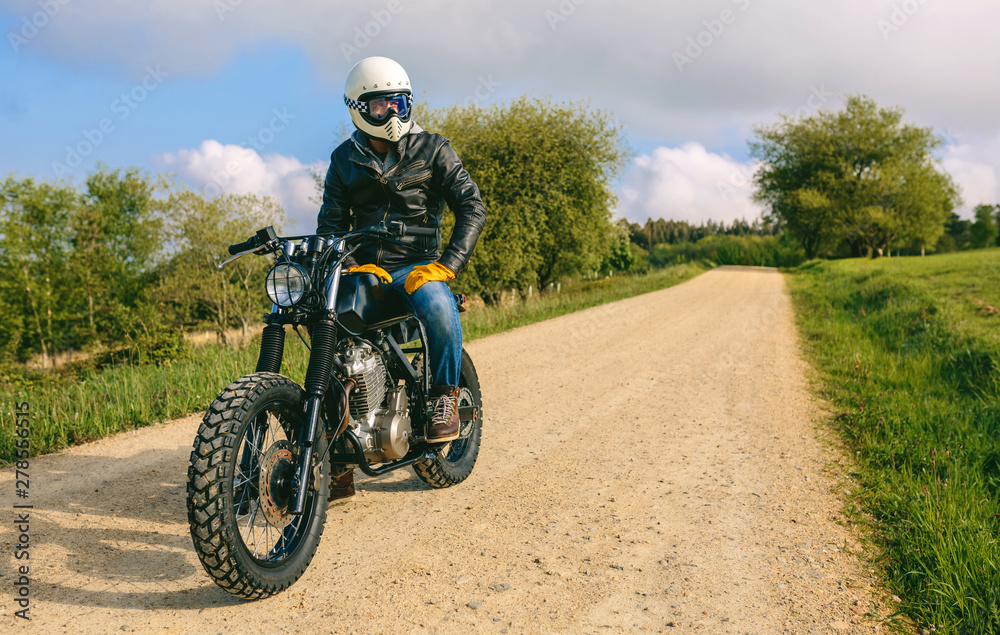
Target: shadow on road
{"type": "Point", "coordinates": [400, 481]}
{"type": "Point", "coordinates": [104, 535]}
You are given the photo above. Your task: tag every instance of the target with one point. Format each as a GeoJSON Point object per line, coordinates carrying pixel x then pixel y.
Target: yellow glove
{"type": "Point", "coordinates": [382, 274]}
{"type": "Point", "coordinates": [426, 273]}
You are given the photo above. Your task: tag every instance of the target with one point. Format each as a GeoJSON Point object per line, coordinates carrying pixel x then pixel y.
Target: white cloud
{"type": "Point", "coordinates": [687, 183]}
{"type": "Point", "coordinates": [692, 184]}
{"type": "Point", "coordinates": [214, 167]}
{"type": "Point", "coordinates": [934, 58]}
{"type": "Point", "coordinates": [763, 55]}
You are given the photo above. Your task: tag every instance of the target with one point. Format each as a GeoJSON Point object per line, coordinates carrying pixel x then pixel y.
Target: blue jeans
{"type": "Point", "coordinates": [434, 305]}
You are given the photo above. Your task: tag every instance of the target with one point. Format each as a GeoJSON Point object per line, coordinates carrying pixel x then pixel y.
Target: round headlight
{"type": "Point", "coordinates": [286, 284]}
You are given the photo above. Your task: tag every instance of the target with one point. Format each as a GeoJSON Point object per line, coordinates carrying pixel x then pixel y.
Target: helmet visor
{"type": "Point", "coordinates": [385, 106]}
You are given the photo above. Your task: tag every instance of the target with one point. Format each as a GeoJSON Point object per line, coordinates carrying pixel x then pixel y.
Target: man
{"type": "Point", "coordinates": [392, 170]}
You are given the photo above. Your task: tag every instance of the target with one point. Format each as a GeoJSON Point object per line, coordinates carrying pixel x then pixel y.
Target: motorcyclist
{"type": "Point", "coordinates": [389, 170]}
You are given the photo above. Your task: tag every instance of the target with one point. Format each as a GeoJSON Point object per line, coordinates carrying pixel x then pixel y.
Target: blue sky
{"type": "Point", "coordinates": [50, 105]}
{"type": "Point", "coordinates": [192, 86]}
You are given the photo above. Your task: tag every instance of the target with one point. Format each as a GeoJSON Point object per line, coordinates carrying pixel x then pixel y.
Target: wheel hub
{"type": "Point", "coordinates": [277, 471]}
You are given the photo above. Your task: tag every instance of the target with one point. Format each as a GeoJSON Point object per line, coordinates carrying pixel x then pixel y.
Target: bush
{"type": "Point", "coordinates": [755, 251]}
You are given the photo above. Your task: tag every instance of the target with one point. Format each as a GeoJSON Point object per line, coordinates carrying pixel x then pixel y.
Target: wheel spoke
{"type": "Point", "coordinates": [283, 539]}
{"type": "Point", "coordinates": [253, 536]}
{"type": "Point", "coordinates": [253, 437]}
{"type": "Point", "coordinates": [243, 496]}
{"type": "Point", "coordinates": [250, 523]}
{"type": "Point", "coordinates": [246, 478]}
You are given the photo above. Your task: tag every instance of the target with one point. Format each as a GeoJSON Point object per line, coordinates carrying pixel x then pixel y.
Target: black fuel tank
{"type": "Point", "coordinates": [363, 305]}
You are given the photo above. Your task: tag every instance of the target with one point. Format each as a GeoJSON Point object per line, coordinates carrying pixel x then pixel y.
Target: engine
{"type": "Point", "coordinates": [364, 365]}
{"type": "Point", "coordinates": [380, 414]}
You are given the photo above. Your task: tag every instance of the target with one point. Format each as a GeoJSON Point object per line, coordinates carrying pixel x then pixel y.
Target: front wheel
{"type": "Point", "coordinates": [241, 482]}
{"type": "Point", "coordinates": [454, 462]}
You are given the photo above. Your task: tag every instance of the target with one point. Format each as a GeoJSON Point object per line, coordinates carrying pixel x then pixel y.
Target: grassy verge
{"type": "Point", "coordinates": [67, 412]}
{"type": "Point", "coordinates": [908, 352]}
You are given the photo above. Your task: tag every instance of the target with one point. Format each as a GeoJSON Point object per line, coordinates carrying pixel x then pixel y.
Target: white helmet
{"type": "Point", "coordinates": [379, 97]}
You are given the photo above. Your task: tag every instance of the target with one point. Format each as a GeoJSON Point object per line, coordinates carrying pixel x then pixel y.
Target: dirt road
{"type": "Point", "coordinates": [649, 465]}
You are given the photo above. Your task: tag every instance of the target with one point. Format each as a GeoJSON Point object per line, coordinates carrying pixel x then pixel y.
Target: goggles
{"type": "Point", "coordinates": [377, 109]}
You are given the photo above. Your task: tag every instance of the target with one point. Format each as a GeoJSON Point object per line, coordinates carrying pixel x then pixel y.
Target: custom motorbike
{"type": "Point", "coordinates": [267, 449]}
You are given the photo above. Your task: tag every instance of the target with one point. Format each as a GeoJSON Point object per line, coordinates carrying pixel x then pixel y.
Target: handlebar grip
{"type": "Point", "coordinates": [420, 231]}
{"type": "Point", "coordinates": [252, 243]}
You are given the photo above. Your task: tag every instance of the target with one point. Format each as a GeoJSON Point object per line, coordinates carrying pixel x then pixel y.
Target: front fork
{"type": "Point", "coordinates": [272, 347]}
{"type": "Point", "coordinates": [324, 341]}
{"type": "Point", "coordinates": [272, 343]}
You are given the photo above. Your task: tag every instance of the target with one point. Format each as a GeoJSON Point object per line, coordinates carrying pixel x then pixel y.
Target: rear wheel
{"type": "Point", "coordinates": [241, 483]}
{"type": "Point", "coordinates": [454, 462]}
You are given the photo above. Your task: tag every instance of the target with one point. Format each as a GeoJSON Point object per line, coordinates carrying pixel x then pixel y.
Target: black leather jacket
{"type": "Point", "coordinates": [427, 175]}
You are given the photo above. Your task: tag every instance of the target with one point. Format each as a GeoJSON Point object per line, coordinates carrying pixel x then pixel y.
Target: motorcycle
{"type": "Point", "coordinates": [268, 449]}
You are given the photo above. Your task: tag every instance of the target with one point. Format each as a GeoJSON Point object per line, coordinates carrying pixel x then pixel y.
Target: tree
{"type": "Point", "coordinates": [93, 268]}
{"type": "Point", "coordinates": [860, 174]}
{"type": "Point", "coordinates": [77, 264]}
{"type": "Point", "coordinates": [996, 218]}
{"type": "Point", "coordinates": [34, 251]}
{"type": "Point", "coordinates": [200, 229]}
{"type": "Point", "coordinates": [956, 234]}
{"type": "Point", "coordinates": [983, 232]}
{"type": "Point", "coordinates": [621, 257]}
{"type": "Point", "coordinates": [116, 243]}
{"type": "Point", "coordinates": [546, 174]}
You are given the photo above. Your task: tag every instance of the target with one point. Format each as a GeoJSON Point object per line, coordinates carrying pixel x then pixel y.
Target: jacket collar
{"type": "Point", "coordinates": [362, 153]}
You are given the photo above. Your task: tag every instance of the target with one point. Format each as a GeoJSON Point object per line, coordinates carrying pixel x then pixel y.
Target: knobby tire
{"type": "Point", "coordinates": [242, 549]}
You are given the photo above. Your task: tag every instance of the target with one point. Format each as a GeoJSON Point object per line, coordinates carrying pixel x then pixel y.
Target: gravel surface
{"type": "Point", "coordinates": [648, 465]}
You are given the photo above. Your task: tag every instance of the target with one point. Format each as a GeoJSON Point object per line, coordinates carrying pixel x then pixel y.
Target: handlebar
{"type": "Point", "coordinates": [265, 240]}
{"type": "Point", "coordinates": [246, 245]}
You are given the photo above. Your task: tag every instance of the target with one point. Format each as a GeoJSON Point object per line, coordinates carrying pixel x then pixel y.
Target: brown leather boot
{"type": "Point", "coordinates": [444, 425]}
{"type": "Point", "coordinates": [342, 486]}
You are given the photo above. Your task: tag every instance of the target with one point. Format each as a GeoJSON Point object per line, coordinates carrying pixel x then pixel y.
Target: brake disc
{"type": "Point", "coordinates": [277, 469]}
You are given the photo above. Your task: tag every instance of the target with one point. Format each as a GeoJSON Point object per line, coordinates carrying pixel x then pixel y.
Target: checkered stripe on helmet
{"type": "Point", "coordinates": [354, 104]}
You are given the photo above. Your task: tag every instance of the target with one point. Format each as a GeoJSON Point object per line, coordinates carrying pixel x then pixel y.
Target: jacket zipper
{"type": "Point", "coordinates": [413, 180]}
{"type": "Point", "coordinates": [388, 204]}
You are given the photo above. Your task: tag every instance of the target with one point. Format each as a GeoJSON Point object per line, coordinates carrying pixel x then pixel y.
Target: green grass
{"type": "Point", "coordinates": [97, 404]}
{"type": "Point", "coordinates": [908, 354]}
{"type": "Point", "coordinates": [68, 411]}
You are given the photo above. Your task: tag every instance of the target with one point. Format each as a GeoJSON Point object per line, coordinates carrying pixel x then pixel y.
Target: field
{"type": "Point", "coordinates": [907, 353]}
{"type": "Point", "coordinates": [82, 408]}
